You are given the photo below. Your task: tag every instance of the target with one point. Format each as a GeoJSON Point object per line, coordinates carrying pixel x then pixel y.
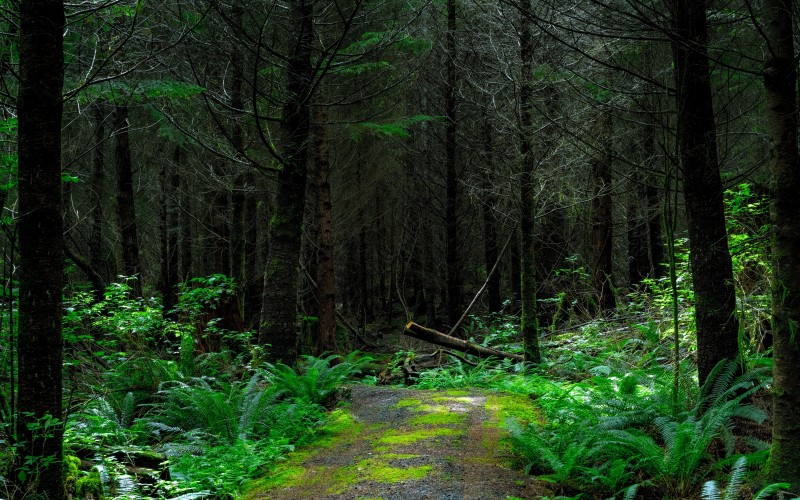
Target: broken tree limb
{"type": "Point", "coordinates": [485, 284]}
{"type": "Point", "coordinates": [441, 339]}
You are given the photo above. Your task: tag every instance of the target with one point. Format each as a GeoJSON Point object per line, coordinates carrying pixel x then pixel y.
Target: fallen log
{"type": "Point", "coordinates": [429, 335]}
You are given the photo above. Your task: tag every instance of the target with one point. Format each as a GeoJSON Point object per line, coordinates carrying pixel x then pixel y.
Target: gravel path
{"type": "Point", "coordinates": [406, 444]}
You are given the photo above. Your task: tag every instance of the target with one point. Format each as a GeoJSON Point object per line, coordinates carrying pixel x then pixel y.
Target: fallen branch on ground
{"type": "Point", "coordinates": [442, 339]}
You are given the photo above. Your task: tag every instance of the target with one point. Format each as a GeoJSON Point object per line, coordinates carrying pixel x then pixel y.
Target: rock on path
{"type": "Point", "coordinates": [406, 444]}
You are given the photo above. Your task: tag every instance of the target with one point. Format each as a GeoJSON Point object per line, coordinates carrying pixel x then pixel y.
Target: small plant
{"type": "Point", "coordinates": [317, 380]}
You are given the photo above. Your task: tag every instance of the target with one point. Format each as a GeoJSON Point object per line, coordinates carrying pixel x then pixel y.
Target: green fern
{"type": "Point", "coordinates": [318, 379]}
{"type": "Point", "coordinates": [733, 491]}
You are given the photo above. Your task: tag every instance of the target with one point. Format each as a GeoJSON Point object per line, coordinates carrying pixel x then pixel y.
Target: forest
{"type": "Point", "coordinates": [399, 249]}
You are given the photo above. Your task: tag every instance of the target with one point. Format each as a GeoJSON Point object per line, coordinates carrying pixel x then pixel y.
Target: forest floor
{"type": "Point", "coordinates": [395, 443]}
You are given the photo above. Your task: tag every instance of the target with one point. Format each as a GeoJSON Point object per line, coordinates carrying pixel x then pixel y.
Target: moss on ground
{"type": "Point", "coordinates": [410, 437]}
{"type": "Point", "coordinates": [438, 418]}
{"type": "Point", "coordinates": [374, 470]}
{"type": "Point", "coordinates": [432, 419]}
{"type": "Point", "coordinates": [501, 407]}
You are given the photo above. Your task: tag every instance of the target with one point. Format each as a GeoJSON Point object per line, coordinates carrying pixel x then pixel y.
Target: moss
{"type": "Point", "coordinates": [439, 418]}
{"type": "Point", "coordinates": [408, 402]}
{"type": "Point", "coordinates": [453, 399]}
{"type": "Point", "coordinates": [71, 471]}
{"type": "Point", "coordinates": [504, 406]}
{"type": "Point", "coordinates": [456, 392]}
{"type": "Point", "coordinates": [283, 476]}
{"type": "Point", "coordinates": [401, 438]}
{"type": "Point", "coordinates": [374, 470]}
{"type": "Point", "coordinates": [341, 428]}
{"type": "Point", "coordinates": [89, 486]}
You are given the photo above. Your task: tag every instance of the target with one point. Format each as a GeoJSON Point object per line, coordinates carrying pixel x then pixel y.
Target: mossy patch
{"type": "Point", "coordinates": [408, 402]}
{"type": "Point", "coordinates": [403, 438]}
{"type": "Point", "coordinates": [453, 399]}
{"type": "Point", "coordinates": [374, 470]}
{"type": "Point", "coordinates": [501, 407]}
{"type": "Point", "coordinates": [439, 418]}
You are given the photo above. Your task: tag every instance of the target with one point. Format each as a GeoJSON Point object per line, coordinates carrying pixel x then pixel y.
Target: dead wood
{"type": "Point", "coordinates": [443, 340]}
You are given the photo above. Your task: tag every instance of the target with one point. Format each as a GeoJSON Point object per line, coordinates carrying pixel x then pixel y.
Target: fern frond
{"type": "Point", "coordinates": [735, 481]}
{"type": "Point", "coordinates": [769, 491]}
{"type": "Point", "coordinates": [711, 491]}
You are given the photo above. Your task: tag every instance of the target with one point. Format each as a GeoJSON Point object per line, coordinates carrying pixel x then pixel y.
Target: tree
{"type": "Point", "coordinates": [279, 305]}
{"type": "Point", "coordinates": [780, 80]}
{"type": "Point", "coordinates": [712, 271]}
{"type": "Point", "coordinates": [528, 321]}
{"type": "Point", "coordinates": [39, 427]}
{"type": "Point", "coordinates": [454, 263]}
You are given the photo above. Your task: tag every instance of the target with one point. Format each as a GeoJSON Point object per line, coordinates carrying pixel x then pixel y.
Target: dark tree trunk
{"type": "Point", "coordinates": [170, 183]}
{"type": "Point", "coordinates": [126, 208]}
{"type": "Point", "coordinates": [602, 216]}
{"type": "Point", "coordinates": [186, 235]}
{"type": "Point", "coordinates": [655, 233]}
{"type": "Point", "coordinates": [363, 274]}
{"type": "Point", "coordinates": [490, 250]}
{"type": "Point", "coordinates": [654, 214]}
{"type": "Point", "coordinates": [637, 223]}
{"type": "Point", "coordinates": [279, 302]}
{"type": "Point", "coordinates": [780, 78]}
{"type": "Point", "coordinates": [220, 261]}
{"type": "Point", "coordinates": [41, 241]}
{"type": "Point", "coordinates": [97, 255]}
{"type": "Point", "coordinates": [454, 264]}
{"type": "Point", "coordinates": [515, 269]}
{"type": "Point", "coordinates": [712, 273]}
{"type": "Point", "coordinates": [528, 320]}
{"type": "Point", "coordinates": [326, 285]}
{"type": "Point", "coordinates": [244, 180]}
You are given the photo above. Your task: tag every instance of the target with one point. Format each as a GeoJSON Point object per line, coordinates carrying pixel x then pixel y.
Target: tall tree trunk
{"type": "Point", "coordinates": [454, 264]}
{"type": "Point", "coordinates": [490, 247]}
{"type": "Point", "coordinates": [170, 184]}
{"type": "Point", "coordinates": [39, 425]}
{"type": "Point", "coordinates": [126, 207]}
{"type": "Point", "coordinates": [220, 261]}
{"type": "Point", "coordinates": [97, 256]}
{"type": "Point", "coordinates": [279, 302]}
{"type": "Point", "coordinates": [712, 271]}
{"type": "Point", "coordinates": [326, 285]}
{"type": "Point", "coordinates": [780, 79]}
{"type": "Point", "coordinates": [638, 243]}
{"type": "Point", "coordinates": [602, 215]}
{"type": "Point", "coordinates": [528, 320]}
{"type": "Point", "coordinates": [186, 235]}
{"type": "Point", "coordinates": [243, 179]}
{"type": "Point", "coordinates": [655, 233]}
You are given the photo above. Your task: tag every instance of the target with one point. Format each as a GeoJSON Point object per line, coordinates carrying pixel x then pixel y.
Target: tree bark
{"type": "Point", "coordinates": [97, 256]}
{"type": "Point", "coordinates": [528, 320]}
{"type": "Point", "coordinates": [185, 233]}
{"type": "Point", "coordinates": [438, 338]}
{"type": "Point", "coordinates": [326, 285]}
{"type": "Point", "coordinates": [602, 215]}
{"type": "Point", "coordinates": [638, 243]}
{"type": "Point", "coordinates": [279, 302]}
{"type": "Point", "coordinates": [41, 240]}
{"type": "Point", "coordinates": [712, 272]}
{"type": "Point", "coordinates": [453, 257]}
{"type": "Point", "coordinates": [168, 233]}
{"type": "Point", "coordinates": [780, 78]}
{"type": "Point", "coordinates": [490, 249]}
{"type": "Point", "coordinates": [220, 261]}
{"type": "Point", "coordinates": [126, 207]}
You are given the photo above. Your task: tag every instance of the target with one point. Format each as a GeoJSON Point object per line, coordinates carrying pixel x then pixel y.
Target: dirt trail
{"type": "Point", "coordinates": [408, 444]}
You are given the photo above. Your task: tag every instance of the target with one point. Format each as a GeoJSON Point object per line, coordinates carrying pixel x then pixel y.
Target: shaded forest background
{"type": "Point", "coordinates": [275, 179]}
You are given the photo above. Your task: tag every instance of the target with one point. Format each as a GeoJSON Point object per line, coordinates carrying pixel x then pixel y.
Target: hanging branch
{"type": "Point", "coordinates": [483, 288]}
